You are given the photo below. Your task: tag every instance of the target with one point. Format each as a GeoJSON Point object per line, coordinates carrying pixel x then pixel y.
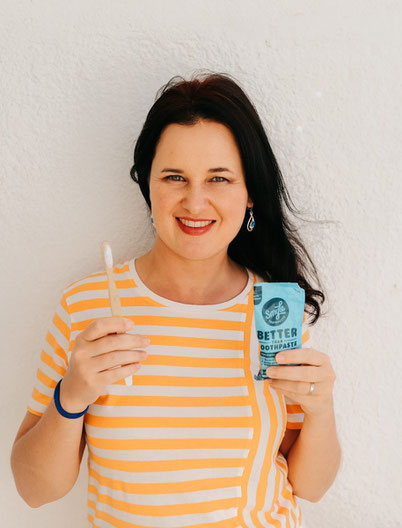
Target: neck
{"type": "Point", "coordinates": [191, 281]}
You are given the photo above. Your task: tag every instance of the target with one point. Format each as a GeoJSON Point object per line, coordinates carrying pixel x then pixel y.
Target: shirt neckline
{"type": "Point", "coordinates": [240, 298]}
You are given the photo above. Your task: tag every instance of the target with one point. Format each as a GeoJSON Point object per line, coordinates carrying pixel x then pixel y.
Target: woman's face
{"type": "Point", "coordinates": [197, 192]}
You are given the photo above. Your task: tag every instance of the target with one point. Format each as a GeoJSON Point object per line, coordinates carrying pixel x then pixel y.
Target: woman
{"type": "Point", "coordinates": [195, 440]}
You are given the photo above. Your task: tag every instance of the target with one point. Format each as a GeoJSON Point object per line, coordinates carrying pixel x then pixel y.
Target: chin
{"type": "Point", "coordinates": [194, 253]}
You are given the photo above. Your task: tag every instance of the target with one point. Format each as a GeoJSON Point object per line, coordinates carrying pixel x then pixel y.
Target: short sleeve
{"type": "Point", "coordinates": [295, 414]}
{"type": "Point", "coordinates": [53, 360]}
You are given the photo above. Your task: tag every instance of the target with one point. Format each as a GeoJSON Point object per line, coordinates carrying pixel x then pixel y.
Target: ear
{"type": "Point", "coordinates": [250, 203]}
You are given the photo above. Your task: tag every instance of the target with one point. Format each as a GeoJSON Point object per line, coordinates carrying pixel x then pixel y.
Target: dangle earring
{"type": "Point", "coordinates": [152, 220]}
{"type": "Point", "coordinates": [251, 221]}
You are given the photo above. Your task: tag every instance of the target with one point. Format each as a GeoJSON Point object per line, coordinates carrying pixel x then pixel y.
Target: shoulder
{"type": "Point", "coordinates": [96, 280]}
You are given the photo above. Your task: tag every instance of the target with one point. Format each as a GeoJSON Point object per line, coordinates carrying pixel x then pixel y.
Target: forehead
{"type": "Point", "coordinates": [205, 143]}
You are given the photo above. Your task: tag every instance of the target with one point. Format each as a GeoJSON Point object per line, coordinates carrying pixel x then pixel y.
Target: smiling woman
{"type": "Point", "coordinates": [195, 439]}
{"type": "Point", "coordinates": [195, 130]}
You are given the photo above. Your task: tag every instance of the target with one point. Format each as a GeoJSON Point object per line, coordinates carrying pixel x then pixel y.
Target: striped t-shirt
{"type": "Point", "coordinates": [193, 442]}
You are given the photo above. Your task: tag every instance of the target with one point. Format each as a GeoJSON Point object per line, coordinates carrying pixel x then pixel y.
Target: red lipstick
{"type": "Point", "coordinates": [195, 230]}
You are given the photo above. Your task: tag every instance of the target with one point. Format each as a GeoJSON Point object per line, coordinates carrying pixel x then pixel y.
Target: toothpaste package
{"type": "Point", "coordinates": [278, 313]}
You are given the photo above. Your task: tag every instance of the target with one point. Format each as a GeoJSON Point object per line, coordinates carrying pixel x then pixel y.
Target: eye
{"type": "Point", "coordinates": [178, 176]}
{"type": "Point", "coordinates": [221, 177]}
{"type": "Point", "coordinates": [173, 176]}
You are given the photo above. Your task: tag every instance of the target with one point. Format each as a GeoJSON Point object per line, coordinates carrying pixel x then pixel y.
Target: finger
{"type": "Point", "coordinates": [119, 358]}
{"type": "Point", "coordinates": [307, 374]}
{"type": "Point", "coordinates": [103, 326]}
{"type": "Point", "coordinates": [298, 388]}
{"type": "Point", "coordinates": [109, 377]}
{"type": "Point", "coordinates": [117, 342]}
{"type": "Point", "coordinates": [306, 356]}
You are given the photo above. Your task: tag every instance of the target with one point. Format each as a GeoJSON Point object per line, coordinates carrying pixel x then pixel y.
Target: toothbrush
{"type": "Point", "coordinates": [115, 304]}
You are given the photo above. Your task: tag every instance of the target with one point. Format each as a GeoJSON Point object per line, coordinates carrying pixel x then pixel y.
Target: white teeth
{"type": "Point", "coordinates": [189, 223]}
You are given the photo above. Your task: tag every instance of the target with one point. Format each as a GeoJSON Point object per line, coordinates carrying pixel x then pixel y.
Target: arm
{"type": "Point", "coordinates": [314, 459]}
{"type": "Point", "coordinates": [48, 447]}
{"type": "Point", "coordinates": [46, 460]}
{"type": "Point", "coordinates": [46, 455]}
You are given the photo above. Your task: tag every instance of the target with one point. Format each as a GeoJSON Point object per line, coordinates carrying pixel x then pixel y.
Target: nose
{"type": "Point", "coordinates": [195, 199]}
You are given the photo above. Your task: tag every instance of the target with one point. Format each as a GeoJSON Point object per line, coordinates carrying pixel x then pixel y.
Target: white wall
{"type": "Point", "coordinates": [77, 79]}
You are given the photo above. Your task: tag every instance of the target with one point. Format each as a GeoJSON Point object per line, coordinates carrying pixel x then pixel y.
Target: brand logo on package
{"type": "Point", "coordinates": [275, 311]}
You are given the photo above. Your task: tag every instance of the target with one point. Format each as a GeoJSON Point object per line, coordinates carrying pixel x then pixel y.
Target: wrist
{"type": "Point", "coordinates": [69, 404]}
{"type": "Point", "coordinates": [324, 413]}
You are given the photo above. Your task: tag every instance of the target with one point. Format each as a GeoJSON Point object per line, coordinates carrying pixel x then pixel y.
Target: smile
{"type": "Point", "coordinates": [194, 228]}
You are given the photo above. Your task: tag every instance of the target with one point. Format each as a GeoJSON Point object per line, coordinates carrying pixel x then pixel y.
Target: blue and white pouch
{"type": "Point", "coordinates": [278, 313]}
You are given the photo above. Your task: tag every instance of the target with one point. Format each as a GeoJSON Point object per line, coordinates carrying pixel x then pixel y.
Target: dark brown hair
{"type": "Point", "coordinates": [274, 249]}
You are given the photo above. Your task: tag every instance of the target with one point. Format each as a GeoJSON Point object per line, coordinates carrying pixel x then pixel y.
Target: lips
{"type": "Point", "coordinates": [184, 220]}
{"type": "Point", "coordinates": [194, 230]}
{"type": "Point", "coordinates": [195, 219]}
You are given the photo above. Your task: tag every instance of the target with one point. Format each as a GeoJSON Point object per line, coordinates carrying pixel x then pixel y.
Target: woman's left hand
{"type": "Point", "coordinates": [294, 382]}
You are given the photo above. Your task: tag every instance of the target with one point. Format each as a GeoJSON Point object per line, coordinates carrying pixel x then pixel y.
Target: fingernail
{"type": "Point", "coordinates": [129, 323]}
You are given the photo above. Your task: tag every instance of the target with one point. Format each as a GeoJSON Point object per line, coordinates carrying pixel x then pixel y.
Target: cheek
{"type": "Point", "coordinates": [161, 201]}
{"type": "Point", "coordinates": [165, 205]}
{"type": "Point", "coordinates": [234, 205]}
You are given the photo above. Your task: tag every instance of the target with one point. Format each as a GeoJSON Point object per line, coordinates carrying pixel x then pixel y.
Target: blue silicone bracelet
{"type": "Point", "coordinates": [60, 408]}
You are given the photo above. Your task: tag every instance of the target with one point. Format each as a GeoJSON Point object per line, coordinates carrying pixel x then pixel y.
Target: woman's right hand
{"type": "Point", "coordinates": [97, 349]}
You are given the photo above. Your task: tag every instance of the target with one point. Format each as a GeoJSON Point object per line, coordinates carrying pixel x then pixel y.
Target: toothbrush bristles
{"type": "Point", "coordinates": [107, 252]}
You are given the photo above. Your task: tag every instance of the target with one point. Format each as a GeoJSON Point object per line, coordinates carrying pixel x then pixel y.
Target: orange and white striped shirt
{"type": "Point", "coordinates": [194, 441]}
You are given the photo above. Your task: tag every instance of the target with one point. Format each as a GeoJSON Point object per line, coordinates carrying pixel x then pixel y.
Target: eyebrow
{"type": "Point", "coordinates": [216, 169]}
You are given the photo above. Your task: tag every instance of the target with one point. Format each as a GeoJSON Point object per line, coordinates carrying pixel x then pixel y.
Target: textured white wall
{"type": "Point", "coordinates": [77, 79]}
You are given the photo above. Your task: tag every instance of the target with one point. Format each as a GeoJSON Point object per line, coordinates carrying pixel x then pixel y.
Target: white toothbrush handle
{"type": "Point", "coordinates": [115, 304]}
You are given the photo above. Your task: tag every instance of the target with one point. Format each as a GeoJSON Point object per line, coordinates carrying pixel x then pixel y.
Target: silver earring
{"type": "Point", "coordinates": [251, 221]}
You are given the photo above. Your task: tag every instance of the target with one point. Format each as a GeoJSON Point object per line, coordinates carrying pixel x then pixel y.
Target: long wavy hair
{"type": "Point", "coordinates": [273, 249]}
